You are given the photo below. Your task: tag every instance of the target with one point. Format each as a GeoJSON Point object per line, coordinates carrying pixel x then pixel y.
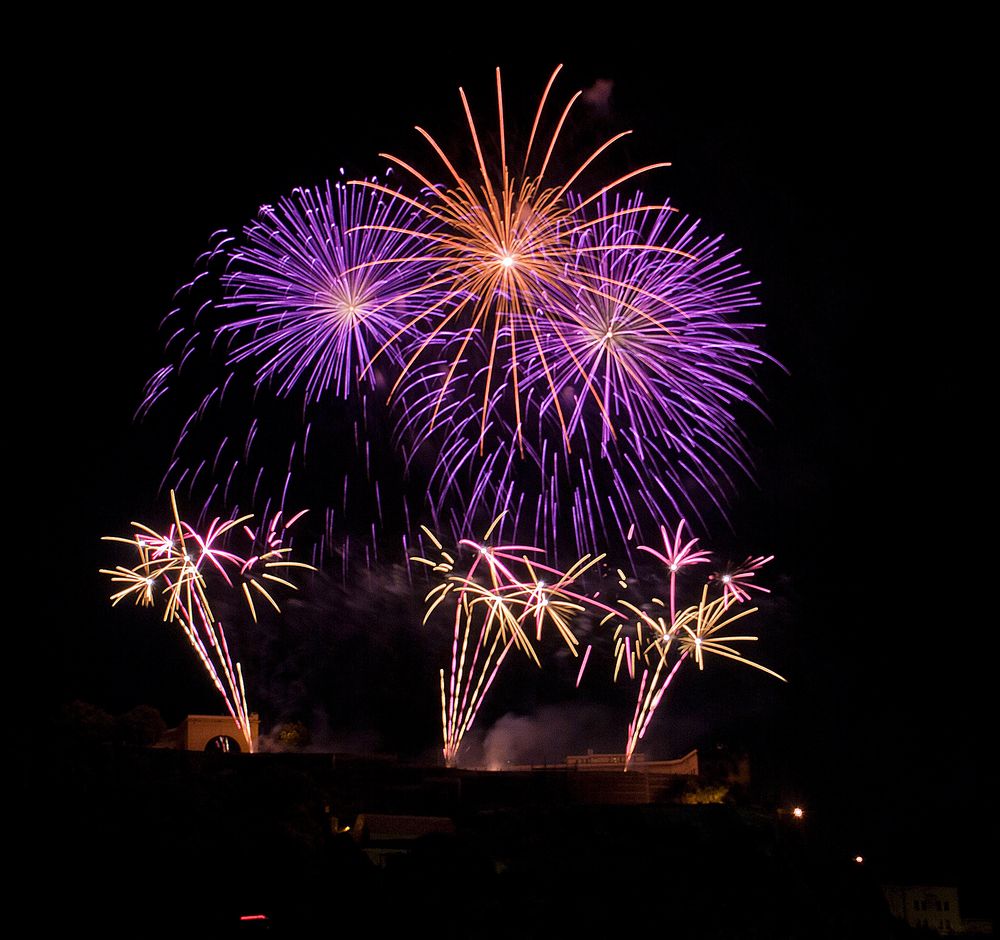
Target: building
{"type": "Point", "coordinates": [210, 733]}
{"type": "Point", "coordinates": [686, 766]}
{"type": "Point", "coordinates": [933, 906]}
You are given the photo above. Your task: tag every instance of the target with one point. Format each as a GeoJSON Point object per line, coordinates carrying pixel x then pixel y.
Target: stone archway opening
{"type": "Point", "coordinates": [223, 744]}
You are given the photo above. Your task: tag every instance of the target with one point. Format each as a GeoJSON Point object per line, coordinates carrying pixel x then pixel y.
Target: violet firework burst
{"type": "Point", "coordinates": [662, 346]}
{"type": "Point", "coordinates": [328, 276]}
{"type": "Point", "coordinates": [633, 406]}
{"type": "Point", "coordinates": [269, 341]}
{"type": "Point", "coordinates": [651, 373]}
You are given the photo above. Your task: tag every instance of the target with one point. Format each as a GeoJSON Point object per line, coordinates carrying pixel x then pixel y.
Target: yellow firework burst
{"type": "Point", "coordinates": [699, 631]}
{"type": "Point", "coordinates": [502, 591]}
{"type": "Point", "coordinates": [174, 565]}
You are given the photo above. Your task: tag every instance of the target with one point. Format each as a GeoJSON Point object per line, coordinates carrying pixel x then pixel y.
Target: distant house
{"type": "Point", "coordinates": [933, 906]}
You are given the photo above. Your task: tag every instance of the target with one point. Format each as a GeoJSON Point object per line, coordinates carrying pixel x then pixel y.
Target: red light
{"type": "Point", "coordinates": [254, 917]}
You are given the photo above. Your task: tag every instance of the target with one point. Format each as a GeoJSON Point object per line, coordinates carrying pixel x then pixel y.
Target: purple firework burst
{"type": "Point", "coordinates": [661, 352]}
{"type": "Point", "coordinates": [281, 323]}
{"type": "Point", "coordinates": [631, 406]}
{"type": "Point", "coordinates": [323, 277]}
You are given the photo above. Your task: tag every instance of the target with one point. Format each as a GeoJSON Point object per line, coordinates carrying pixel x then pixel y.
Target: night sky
{"type": "Point", "coordinates": [877, 607]}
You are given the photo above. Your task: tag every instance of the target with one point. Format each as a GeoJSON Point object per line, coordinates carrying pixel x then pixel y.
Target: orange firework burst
{"type": "Point", "coordinates": [503, 253]}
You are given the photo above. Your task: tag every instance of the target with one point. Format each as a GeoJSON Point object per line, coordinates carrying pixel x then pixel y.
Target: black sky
{"type": "Point", "coordinates": [801, 161]}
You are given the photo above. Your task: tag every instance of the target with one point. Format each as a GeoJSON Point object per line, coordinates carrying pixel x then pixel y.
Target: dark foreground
{"type": "Point", "coordinates": [144, 842]}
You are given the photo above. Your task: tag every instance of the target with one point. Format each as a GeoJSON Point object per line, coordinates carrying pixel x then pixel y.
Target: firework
{"type": "Point", "coordinates": [322, 296]}
{"type": "Point", "coordinates": [504, 242]}
{"type": "Point", "coordinates": [737, 581]}
{"type": "Point", "coordinates": [505, 595]}
{"type": "Point", "coordinates": [279, 320]}
{"type": "Point", "coordinates": [176, 566]}
{"type": "Point", "coordinates": [560, 362]}
{"type": "Point", "coordinates": [648, 374]}
{"type": "Point", "coordinates": [665, 635]}
{"type": "Point", "coordinates": [553, 356]}
{"type": "Point", "coordinates": [661, 346]}
{"type": "Point", "coordinates": [628, 396]}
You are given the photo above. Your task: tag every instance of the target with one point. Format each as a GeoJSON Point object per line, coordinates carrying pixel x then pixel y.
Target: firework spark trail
{"type": "Point", "coordinates": [505, 589]}
{"type": "Point", "coordinates": [583, 665]}
{"type": "Point", "coordinates": [182, 559]}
